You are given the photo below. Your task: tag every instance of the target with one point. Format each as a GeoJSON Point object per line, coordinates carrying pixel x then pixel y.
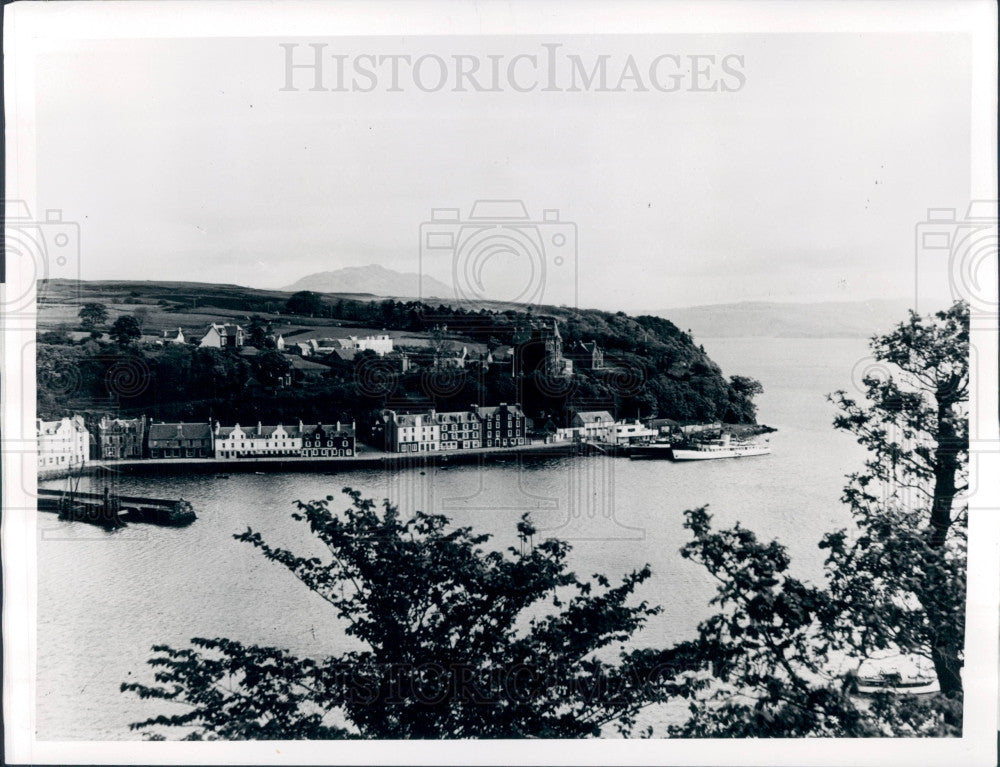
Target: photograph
{"type": "Point", "coordinates": [616, 384]}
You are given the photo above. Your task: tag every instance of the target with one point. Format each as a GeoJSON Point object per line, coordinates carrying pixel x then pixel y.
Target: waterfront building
{"type": "Point", "coordinates": [63, 444]}
{"type": "Point", "coordinates": [321, 441]}
{"type": "Point", "coordinates": [503, 425]}
{"type": "Point", "coordinates": [180, 440]}
{"type": "Point", "coordinates": [411, 433]}
{"type": "Point", "coordinates": [459, 430]}
{"type": "Point", "coordinates": [593, 425]}
{"type": "Point", "coordinates": [632, 432]}
{"type": "Point", "coordinates": [223, 335]}
{"type": "Point", "coordinates": [257, 441]}
{"type": "Point", "coordinates": [121, 438]}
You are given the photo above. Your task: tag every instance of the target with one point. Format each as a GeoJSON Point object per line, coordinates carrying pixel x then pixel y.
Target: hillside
{"type": "Point", "coordinates": [649, 367]}
{"type": "Point", "coordinates": [373, 279]}
{"type": "Point", "coordinates": [757, 319]}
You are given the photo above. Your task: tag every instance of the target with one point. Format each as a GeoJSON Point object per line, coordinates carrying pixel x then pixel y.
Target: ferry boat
{"type": "Point", "coordinates": [723, 447]}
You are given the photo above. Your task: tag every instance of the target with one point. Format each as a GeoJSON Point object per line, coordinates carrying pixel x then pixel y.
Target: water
{"type": "Point", "coordinates": [105, 598]}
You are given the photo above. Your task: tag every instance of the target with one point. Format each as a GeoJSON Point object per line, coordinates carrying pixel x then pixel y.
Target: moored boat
{"type": "Point", "coordinates": [723, 447]}
{"type": "Point", "coordinates": [661, 448]}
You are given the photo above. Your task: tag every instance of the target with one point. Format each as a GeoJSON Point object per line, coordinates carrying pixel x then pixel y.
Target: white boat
{"type": "Point", "coordinates": [724, 447]}
{"type": "Point", "coordinates": [908, 675]}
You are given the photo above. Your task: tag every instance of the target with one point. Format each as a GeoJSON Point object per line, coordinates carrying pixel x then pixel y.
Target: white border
{"type": "Point", "coordinates": [32, 28]}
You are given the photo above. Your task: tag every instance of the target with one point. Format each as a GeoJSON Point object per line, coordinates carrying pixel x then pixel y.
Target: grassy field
{"type": "Point", "coordinates": [194, 306]}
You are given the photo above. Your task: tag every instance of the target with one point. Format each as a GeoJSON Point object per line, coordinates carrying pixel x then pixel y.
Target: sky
{"type": "Point", "coordinates": [804, 181]}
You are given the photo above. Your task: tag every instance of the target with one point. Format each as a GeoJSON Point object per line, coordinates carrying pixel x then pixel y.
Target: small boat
{"type": "Point", "coordinates": [660, 448]}
{"type": "Point", "coordinates": [723, 447]}
{"type": "Point", "coordinates": [915, 682]}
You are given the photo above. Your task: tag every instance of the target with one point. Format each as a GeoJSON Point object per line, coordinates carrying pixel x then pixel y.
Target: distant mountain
{"type": "Point", "coordinates": [373, 279]}
{"type": "Point", "coordinates": [830, 319]}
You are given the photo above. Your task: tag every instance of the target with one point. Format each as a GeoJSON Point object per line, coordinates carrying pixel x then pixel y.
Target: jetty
{"type": "Point", "coordinates": [114, 511]}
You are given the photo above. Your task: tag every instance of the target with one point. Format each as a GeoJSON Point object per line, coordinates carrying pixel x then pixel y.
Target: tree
{"type": "Point", "coordinates": [92, 315]}
{"type": "Point", "coordinates": [125, 330]}
{"type": "Point", "coordinates": [258, 331]}
{"type": "Point", "coordinates": [455, 641]}
{"type": "Point", "coordinates": [784, 655]}
{"type": "Point", "coordinates": [304, 302]}
{"type": "Point", "coordinates": [272, 367]}
{"type": "Point", "coordinates": [906, 567]}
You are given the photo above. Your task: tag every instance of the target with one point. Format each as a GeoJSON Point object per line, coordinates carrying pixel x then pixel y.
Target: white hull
{"type": "Point", "coordinates": [712, 452]}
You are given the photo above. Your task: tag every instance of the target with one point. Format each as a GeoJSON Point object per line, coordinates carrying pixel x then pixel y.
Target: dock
{"type": "Point", "coordinates": [114, 511]}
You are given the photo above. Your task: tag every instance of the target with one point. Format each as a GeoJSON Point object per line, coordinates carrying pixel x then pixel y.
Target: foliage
{"type": "Point", "coordinates": [125, 330]}
{"type": "Point", "coordinates": [784, 655]}
{"type": "Point", "coordinates": [271, 367]}
{"type": "Point", "coordinates": [653, 369]}
{"type": "Point", "coordinates": [258, 331]}
{"type": "Point", "coordinates": [905, 567]}
{"type": "Point", "coordinates": [454, 641]}
{"type": "Point", "coordinates": [92, 315]}
{"type": "Point", "coordinates": [304, 302]}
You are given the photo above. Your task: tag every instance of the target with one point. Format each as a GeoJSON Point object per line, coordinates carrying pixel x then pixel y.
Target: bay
{"type": "Point", "coordinates": [104, 599]}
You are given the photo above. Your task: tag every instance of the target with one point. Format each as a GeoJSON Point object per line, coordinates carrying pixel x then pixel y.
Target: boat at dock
{"type": "Point", "coordinates": [659, 449]}
{"type": "Point", "coordinates": [722, 447]}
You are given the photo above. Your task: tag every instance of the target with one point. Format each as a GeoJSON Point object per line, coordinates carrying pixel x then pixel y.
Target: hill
{"type": "Point", "coordinates": [649, 365]}
{"type": "Point", "coordinates": [373, 279]}
{"type": "Point", "coordinates": [759, 319]}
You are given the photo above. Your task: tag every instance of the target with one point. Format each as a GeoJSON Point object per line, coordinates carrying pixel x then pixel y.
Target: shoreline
{"type": "Point", "coordinates": [367, 460]}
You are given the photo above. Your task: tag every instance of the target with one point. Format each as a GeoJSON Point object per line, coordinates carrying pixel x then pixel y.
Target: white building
{"type": "Point", "coordinates": [245, 441]}
{"type": "Point", "coordinates": [631, 432]}
{"type": "Point", "coordinates": [417, 433]}
{"type": "Point", "coordinates": [170, 337]}
{"type": "Point", "coordinates": [219, 336]}
{"type": "Point", "coordinates": [594, 425]}
{"type": "Point", "coordinates": [380, 344]}
{"type": "Point", "coordinates": [63, 444]}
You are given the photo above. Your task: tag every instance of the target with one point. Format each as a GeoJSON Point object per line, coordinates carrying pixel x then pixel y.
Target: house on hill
{"type": "Point", "coordinates": [170, 337]}
{"type": "Point", "coordinates": [223, 335]}
{"type": "Point", "coordinates": [586, 355]}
